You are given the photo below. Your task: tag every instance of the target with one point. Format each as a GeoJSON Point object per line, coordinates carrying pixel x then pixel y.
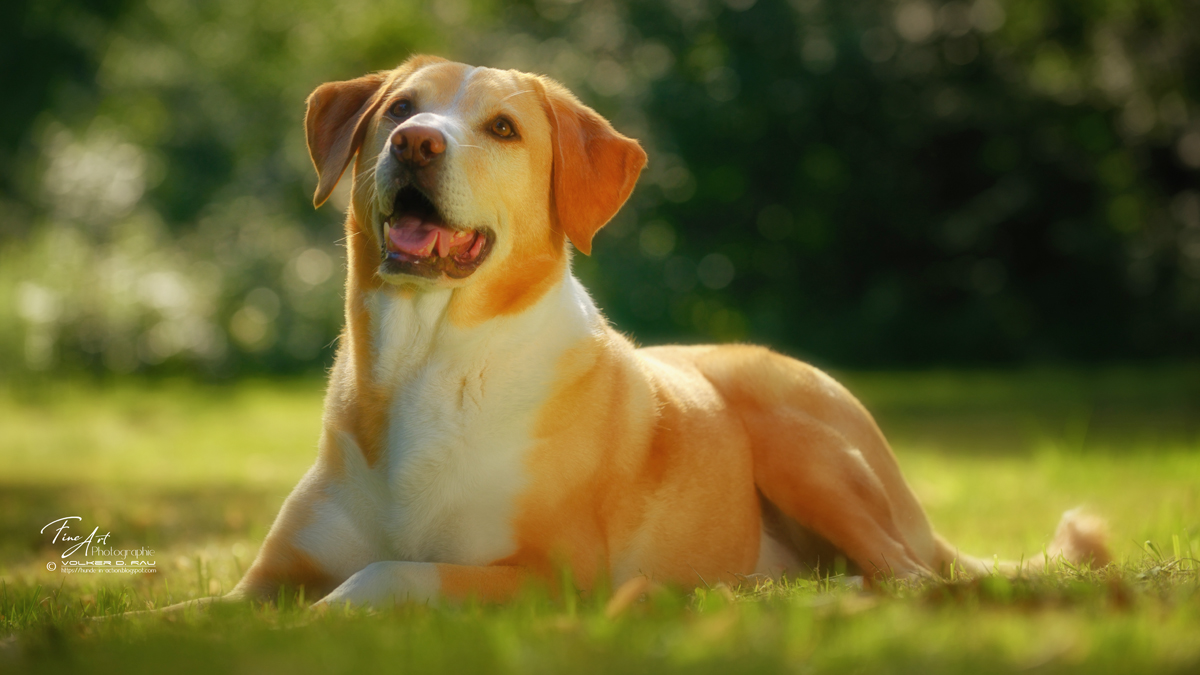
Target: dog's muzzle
{"type": "Point", "coordinates": [418, 240]}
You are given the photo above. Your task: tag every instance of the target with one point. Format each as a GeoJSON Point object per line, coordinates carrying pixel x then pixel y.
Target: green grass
{"type": "Point", "coordinates": [196, 472]}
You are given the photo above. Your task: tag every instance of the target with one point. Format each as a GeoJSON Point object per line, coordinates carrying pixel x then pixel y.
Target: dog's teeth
{"type": "Point", "coordinates": [473, 252]}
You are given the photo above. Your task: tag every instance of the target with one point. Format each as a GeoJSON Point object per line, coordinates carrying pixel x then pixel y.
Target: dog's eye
{"type": "Point", "coordinates": [401, 109]}
{"type": "Point", "coordinates": [503, 128]}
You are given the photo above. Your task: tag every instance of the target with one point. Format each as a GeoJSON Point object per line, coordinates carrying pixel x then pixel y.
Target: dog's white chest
{"type": "Point", "coordinates": [461, 420]}
{"type": "Point", "coordinates": [455, 455]}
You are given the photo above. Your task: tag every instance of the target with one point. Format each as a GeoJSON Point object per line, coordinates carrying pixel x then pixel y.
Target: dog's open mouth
{"type": "Point", "coordinates": [418, 241]}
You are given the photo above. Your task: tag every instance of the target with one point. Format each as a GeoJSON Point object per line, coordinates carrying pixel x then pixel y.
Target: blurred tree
{"type": "Point", "coordinates": [864, 183]}
{"type": "Point", "coordinates": [49, 51]}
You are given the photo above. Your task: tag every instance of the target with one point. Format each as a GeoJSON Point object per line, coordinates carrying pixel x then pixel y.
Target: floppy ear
{"type": "Point", "coordinates": [595, 167]}
{"type": "Point", "coordinates": [336, 124]}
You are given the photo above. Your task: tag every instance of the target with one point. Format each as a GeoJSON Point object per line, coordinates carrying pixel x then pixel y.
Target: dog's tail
{"type": "Point", "coordinates": [1081, 539]}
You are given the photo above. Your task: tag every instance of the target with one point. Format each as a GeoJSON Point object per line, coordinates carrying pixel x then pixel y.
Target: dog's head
{"type": "Point", "coordinates": [465, 174]}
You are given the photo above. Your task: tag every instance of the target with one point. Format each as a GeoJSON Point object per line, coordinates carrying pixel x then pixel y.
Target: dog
{"type": "Point", "coordinates": [485, 427]}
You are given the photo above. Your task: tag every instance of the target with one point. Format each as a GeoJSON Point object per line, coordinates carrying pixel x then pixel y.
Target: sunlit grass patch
{"type": "Point", "coordinates": [198, 472]}
{"type": "Point", "coordinates": [165, 433]}
{"type": "Point", "coordinates": [1140, 615]}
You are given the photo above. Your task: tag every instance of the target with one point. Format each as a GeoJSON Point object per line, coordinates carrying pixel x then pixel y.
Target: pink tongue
{"type": "Point", "coordinates": [416, 237]}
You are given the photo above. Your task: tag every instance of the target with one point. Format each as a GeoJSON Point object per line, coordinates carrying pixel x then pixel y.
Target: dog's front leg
{"type": "Point", "coordinates": [386, 583]}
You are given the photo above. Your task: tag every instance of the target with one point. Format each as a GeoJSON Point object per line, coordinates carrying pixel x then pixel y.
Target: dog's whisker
{"type": "Point", "coordinates": [516, 93]}
{"type": "Point", "coordinates": [365, 178]}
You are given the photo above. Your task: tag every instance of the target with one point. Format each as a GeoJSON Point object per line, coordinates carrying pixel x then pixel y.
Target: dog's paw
{"type": "Point", "coordinates": [384, 584]}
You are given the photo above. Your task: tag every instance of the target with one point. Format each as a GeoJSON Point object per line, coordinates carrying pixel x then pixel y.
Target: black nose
{"type": "Point", "coordinates": [417, 145]}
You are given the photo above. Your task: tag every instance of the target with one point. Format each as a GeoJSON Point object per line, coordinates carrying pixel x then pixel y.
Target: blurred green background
{"type": "Point", "coordinates": [861, 183]}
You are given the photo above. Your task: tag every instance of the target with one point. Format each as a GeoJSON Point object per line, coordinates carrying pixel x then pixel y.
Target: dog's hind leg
{"type": "Point", "coordinates": [820, 458]}
{"type": "Point", "coordinates": [817, 477]}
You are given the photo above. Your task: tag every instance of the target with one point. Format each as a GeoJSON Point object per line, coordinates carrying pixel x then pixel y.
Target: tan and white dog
{"type": "Point", "coordinates": [485, 425]}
